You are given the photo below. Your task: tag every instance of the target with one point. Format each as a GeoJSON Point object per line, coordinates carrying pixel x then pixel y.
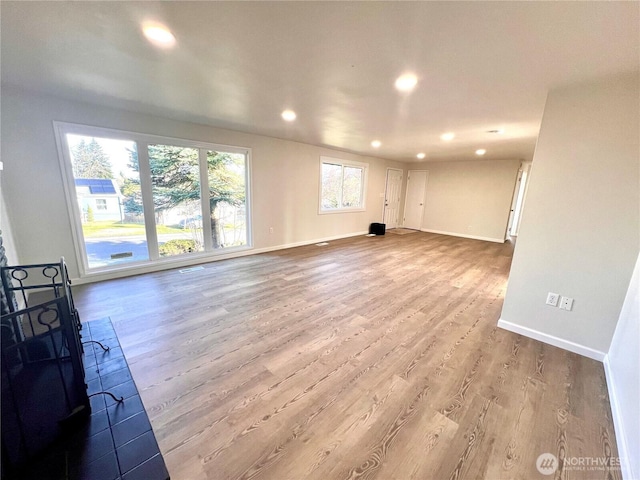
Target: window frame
{"type": "Point", "coordinates": [343, 163]}
{"type": "Point", "coordinates": [142, 140]}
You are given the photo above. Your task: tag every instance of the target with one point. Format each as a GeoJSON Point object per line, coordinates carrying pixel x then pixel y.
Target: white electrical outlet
{"type": "Point", "coordinates": [552, 299]}
{"type": "Point", "coordinates": [566, 303]}
{"type": "Point", "coordinates": [270, 229]}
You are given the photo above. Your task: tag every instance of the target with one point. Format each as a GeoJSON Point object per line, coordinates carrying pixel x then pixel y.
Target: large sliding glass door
{"type": "Point", "coordinates": [137, 198]}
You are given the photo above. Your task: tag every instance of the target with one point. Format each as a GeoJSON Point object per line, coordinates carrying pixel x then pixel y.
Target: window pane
{"type": "Point", "coordinates": [175, 179]}
{"type": "Point", "coordinates": [352, 187]}
{"type": "Point", "coordinates": [107, 185]}
{"type": "Point", "coordinates": [331, 186]}
{"type": "Point", "coordinates": [186, 181]}
{"type": "Point", "coordinates": [227, 199]}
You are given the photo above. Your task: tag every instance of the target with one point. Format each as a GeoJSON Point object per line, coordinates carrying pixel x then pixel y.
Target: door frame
{"type": "Point", "coordinates": [386, 186]}
{"type": "Point", "coordinates": [519, 196]}
{"type": "Point", "coordinates": [514, 197]}
{"type": "Point", "coordinates": [406, 196]}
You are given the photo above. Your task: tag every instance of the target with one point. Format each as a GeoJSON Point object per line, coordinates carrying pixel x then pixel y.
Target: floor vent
{"type": "Point", "coordinates": [192, 269]}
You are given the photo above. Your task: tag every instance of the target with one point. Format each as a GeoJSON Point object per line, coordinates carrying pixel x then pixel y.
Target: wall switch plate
{"type": "Point", "coordinates": [566, 303]}
{"type": "Point", "coordinates": [552, 299]}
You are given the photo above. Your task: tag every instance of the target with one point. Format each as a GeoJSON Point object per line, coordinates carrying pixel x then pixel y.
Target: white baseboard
{"type": "Point", "coordinates": [306, 242]}
{"type": "Point", "coordinates": [196, 259]}
{"type": "Point", "coordinates": [551, 340]}
{"type": "Point", "coordinates": [618, 423]}
{"type": "Point", "coordinates": [462, 235]}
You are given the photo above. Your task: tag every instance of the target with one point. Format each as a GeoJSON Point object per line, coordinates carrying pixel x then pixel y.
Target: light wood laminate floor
{"type": "Point", "coordinates": [367, 358]}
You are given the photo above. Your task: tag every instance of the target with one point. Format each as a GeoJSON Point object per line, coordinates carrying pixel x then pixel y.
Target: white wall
{"type": "Point", "coordinates": [469, 198]}
{"type": "Point", "coordinates": [622, 366]}
{"type": "Point", "coordinates": [580, 230]}
{"type": "Point", "coordinates": [285, 176]}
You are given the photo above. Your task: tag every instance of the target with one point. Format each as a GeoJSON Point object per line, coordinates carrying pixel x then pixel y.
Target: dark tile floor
{"type": "Point", "coordinates": [116, 442]}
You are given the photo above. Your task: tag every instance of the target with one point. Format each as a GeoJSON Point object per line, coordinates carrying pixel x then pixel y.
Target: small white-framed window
{"type": "Point", "coordinates": [342, 185]}
{"type": "Point", "coordinates": [101, 204]}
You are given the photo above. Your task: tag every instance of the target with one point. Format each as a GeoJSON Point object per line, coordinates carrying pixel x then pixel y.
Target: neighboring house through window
{"type": "Point", "coordinates": [99, 199]}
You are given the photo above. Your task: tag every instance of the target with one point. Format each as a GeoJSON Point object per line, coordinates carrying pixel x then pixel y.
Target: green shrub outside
{"type": "Point", "coordinates": [176, 247]}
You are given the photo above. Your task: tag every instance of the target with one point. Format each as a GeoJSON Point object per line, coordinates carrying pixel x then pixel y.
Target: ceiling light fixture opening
{"type": "Point", "coordinates": [499, 131]}
{"type": "Point", "coordinates": [421, 155]}
{"type": "Point", "coordinates": [289, 115]}
{"type": "Point", "coordinates": [481, 151]}
{"type": "Point", "coordinates": [447, 137]}
{"type": "Point", "coordinates": [159, 35]}
{"type": "Point", "coordinates": [376, 144]}
{"type": "Point", "coordinates": [406, 82]}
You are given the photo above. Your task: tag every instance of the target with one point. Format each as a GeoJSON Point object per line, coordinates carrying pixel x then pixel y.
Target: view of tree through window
{"type": "Point", "coordinates": [352, 187]}
{"type": "Point", "coordinates": [175, 176]}
{"type": "Point", "coordinates": [109, 192]}
{"type": "Point", "coordinates": [342, 186]}
{"type": "Point", "coordinates": [90, 160]}
{"type": "Point", "coordinates": [331, 186]}
{"type": "Point", "coordinates": [227, 198]}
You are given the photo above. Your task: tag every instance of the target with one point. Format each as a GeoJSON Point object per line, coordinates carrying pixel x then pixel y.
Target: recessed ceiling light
{"type": "Point", "coordinates": [406, 82]}
{"type": "Point", "coordinates": [289, 115]}
{"type": "Point", "coordinates": [158, 35]}
{"type": "Point", "coordinates": [376, 144]}
{"type": "Point", "coordinates": [447, 137]}
{"type": "Point", "coordinates": [421, 155]}
{"type": "Point", "coordinates": [499, 131]}
{"type": "Point", "coordinates": [481, 151]}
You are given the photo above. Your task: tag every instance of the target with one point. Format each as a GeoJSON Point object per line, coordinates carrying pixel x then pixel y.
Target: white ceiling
{"type": "Point", "coordinates": [237, 65]}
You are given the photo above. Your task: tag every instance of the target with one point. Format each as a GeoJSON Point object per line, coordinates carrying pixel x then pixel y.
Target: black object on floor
{"type": "Point", "coordinates": [116, 442]}
{"type": "Point", "coordinates": [377, 228]}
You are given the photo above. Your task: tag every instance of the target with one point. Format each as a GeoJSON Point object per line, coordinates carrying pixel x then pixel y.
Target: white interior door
{"type": "Point", "coordinates": [414, 203]}
{"type": "Point", "coordinates": [392, 198]}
